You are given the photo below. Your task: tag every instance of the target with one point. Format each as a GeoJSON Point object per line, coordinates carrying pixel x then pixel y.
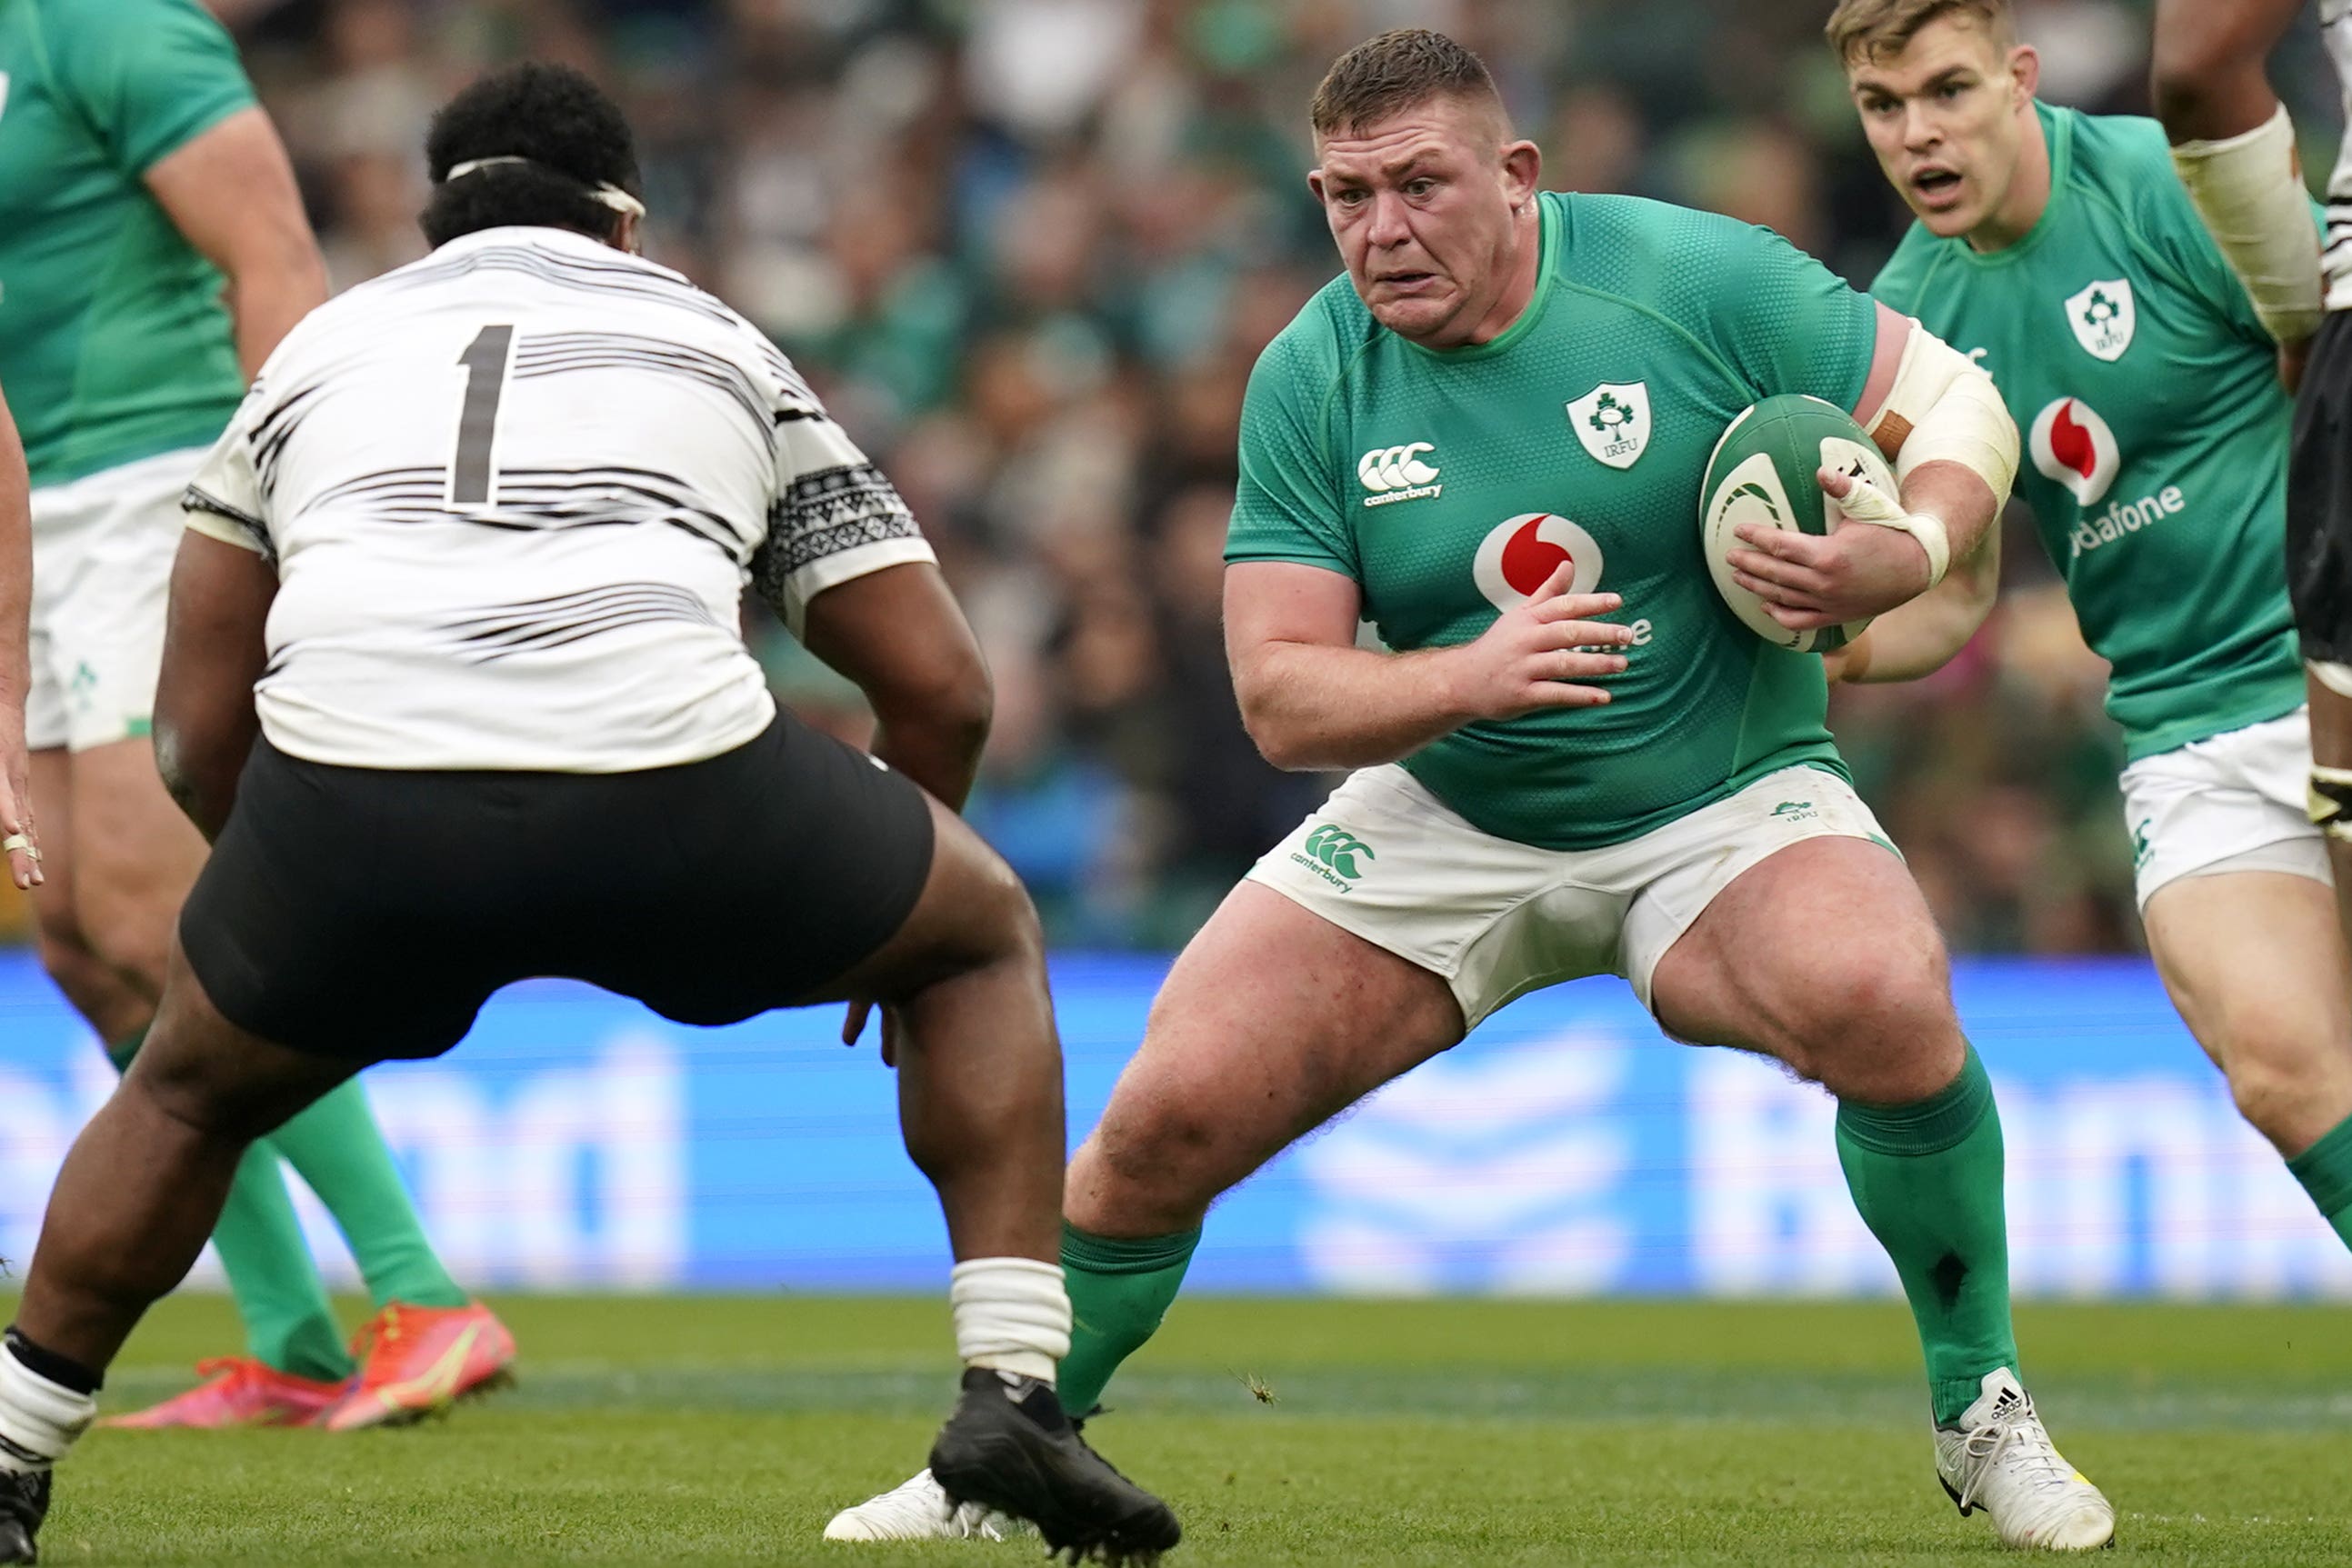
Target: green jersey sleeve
{"type": "Point", "coordinates": [1784, 322]}
{"type": "Point", "coordinates": [150, 76]}
{"type": "Point", "coordinates": [1288, 504]}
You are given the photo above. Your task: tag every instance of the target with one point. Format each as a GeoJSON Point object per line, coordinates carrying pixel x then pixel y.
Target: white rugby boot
{"type": "Point", "coordinates": [919, 1510]}
{"type": "Point", "coordinates": [2000, 1459]}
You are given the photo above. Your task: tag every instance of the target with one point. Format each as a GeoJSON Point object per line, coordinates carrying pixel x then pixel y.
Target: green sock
{"type": "Point", "coordinates": [336, 1149]}
{"type": "Point", "coordinates": [1927, 1180]}
{"type": "Point", "coordinates": [1119, 1292]}
{"type": "Point", "coordinates": [2325, 1169]}
{"type": "Point", "coordinates": [289, 1322]}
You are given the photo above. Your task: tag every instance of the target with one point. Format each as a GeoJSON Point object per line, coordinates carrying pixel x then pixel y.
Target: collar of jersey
{"type": "Point", "coordinates": [2058, 135]}
{"type": "Point", "coordinates": [529, 234]}
{"type": "Point", "coordinates": [1550, 205]}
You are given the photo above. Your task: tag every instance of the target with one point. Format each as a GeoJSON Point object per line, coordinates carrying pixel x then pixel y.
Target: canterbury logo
{"type": "Point", "coordinates": [1337, 848]}
{"type": "Point", "coordinates": [1396, 467]}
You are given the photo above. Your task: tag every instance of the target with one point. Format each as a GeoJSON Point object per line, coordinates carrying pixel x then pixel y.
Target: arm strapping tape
{"type": "Point", "coordinates": [1943, 408]}
{"type": "Point", "coordinates": [2246, 189]}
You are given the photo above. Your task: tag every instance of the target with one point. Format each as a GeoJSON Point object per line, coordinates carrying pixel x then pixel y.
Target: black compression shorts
{"type": "Point", "coordinates": [364, 913]}
{"type": "Point", "coordinates": [2319, 497]}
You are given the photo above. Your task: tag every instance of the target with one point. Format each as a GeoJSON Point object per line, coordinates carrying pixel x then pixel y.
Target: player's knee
{"type": "Point", "coordinates": [1877, 1025]}
{"type": "Point", "coordinates": [130, 931]}
{"type": "Point", "coordinates": [2276, 1064]}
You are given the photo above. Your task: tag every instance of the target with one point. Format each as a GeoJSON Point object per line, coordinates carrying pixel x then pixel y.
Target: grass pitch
{"type": "Point", "coordinates": [726, 1430]}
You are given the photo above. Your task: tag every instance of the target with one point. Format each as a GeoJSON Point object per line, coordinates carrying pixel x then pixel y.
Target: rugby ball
{"type": "Point", "coordinates": [1763, 471]}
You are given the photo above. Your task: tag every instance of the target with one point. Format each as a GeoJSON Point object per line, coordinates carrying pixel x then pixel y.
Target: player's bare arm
{"type": "Point", "coordinates": [1312, 699]}
{"type": "Point", "coordinates": [2234, 147]}
{"type": "Point", "coordinates": [16, 831]}
{"type": "Point", "coordinates": [902, 638]}
{"type": "Point", "coordinates": [214, 651]}
{"type": "Point", "coordinates": [1918, 639]}
{"type": "Point", "coordinates": [1940, 419]}
{"type": "Point", "coordinates": [231, 193]}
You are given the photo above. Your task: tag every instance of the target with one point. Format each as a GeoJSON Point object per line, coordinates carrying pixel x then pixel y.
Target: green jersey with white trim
{"type": "Point", "coordinates": [2154, 426]}
{"type": "Point", "coordinates": [1450, 484]}
{"type": "Point", "coordinates": [114, 345]}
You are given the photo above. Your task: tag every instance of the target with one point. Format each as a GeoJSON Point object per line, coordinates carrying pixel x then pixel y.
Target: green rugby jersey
{"type": "Point", "coordinates": [1450, 483]}
{"type": "Point", "coordinates": [2154, 426]}
{"type": "Point", "coordinates": [114, 344]}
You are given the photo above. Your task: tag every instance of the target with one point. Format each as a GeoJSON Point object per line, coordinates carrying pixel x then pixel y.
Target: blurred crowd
{"type": "Point", "coordinates": [1028, 249]}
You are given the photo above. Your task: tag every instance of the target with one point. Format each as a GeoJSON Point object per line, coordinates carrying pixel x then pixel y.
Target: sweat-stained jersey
{"type": "Point", "coordinates": [1450, 484]}
{"type": "Point", "coordinates": [114, 345]}
{"type": "Point", "coordinates": [514, 492]}
{"type": "Point", "coordinates": [2154, 426]}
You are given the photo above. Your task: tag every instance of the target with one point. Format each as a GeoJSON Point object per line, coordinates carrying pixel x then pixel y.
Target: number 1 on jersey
{"type": "Point", "coordinates": [485, 359]}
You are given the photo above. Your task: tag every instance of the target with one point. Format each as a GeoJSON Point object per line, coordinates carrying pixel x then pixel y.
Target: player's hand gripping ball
{"type": "Point", "coordinates": [1765, 470]}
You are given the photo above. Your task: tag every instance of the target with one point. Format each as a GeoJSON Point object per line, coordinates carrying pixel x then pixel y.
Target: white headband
{"type": "Point", "coordinates": [613, 196]}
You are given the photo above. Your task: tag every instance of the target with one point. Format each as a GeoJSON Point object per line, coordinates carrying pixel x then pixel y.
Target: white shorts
{"type": "Point", "coordinates": [102, 552]}
{"type": "Point", "coordinates": [1385, 859]}
{"type": "Point", "coordinates": [2228, 803]}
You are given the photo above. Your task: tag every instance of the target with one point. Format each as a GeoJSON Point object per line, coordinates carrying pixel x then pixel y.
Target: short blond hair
{"type": "Point", "coordinates": [1866, 29]}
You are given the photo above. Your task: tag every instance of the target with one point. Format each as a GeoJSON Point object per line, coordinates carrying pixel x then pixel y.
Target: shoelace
{"type": "Point", "coordinates": [2011, 1430]}
{"type": "Point", "coordinates": [236, 1368]}
{"type": "Point", "coordinates": [384, 1329]}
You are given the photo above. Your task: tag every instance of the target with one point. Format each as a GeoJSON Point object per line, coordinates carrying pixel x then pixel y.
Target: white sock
{"type": "Point", "coordinates": [1011, 1314]}
{"type": "Point", "coordinates": [38, 1419]}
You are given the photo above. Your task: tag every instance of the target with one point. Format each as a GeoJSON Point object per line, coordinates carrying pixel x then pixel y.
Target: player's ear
{"type": "Point", "coordinates": [2025, 70]}
{"type": "Point", "coordinates": [1522, 171]}
{"type": "Point", "coordinates": [1314, 182]}
{"type": "Point", "coordinates": [627, 233]}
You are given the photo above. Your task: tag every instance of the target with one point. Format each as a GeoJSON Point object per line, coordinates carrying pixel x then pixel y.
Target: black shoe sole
{"type": "Point", "coordinates": [17, 1544]}
{"type": "Point", "coordinates": [991, 1454]}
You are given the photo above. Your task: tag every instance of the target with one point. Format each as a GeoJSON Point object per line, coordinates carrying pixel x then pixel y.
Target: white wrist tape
{"type": "Point", "coordinates": [1011, 1314]}
{"type": "Point", "coordinates": [2246, 189]}
{"type": "Point", "coordinates": [1866, 503]}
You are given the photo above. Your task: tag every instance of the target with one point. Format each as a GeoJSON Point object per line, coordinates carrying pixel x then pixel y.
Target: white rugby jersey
{"type": "Point", "coordinates": [2335, 27]}
{"type": "Point", "coordinates": [514, 493]}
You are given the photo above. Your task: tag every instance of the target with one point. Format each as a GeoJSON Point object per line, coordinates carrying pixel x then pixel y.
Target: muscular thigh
{"type": "Point", "coordinates": [1824, 955]}
{"type": "Point", "coordinates": [1272, 1020]}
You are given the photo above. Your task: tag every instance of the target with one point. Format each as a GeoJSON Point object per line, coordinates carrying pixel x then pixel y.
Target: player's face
{"type": "Point", "coordinates": [1430, 210]}
{"type": "Point", "coordinates": [1946, 117]}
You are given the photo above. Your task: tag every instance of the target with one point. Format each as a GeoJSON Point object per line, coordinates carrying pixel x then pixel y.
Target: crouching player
{"type": "Point", "coordinates": [2060, 249]}
{"type": "Point", "coordinates": [1566, 363]}
{"type": "Point", "coordinates": [479, 533]}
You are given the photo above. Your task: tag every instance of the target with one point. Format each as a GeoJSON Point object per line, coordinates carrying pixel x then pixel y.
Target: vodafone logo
{"type": "Point", "coordinates": [1519, 554]}
{"type": "Point", "coordinates": [2073, 445]}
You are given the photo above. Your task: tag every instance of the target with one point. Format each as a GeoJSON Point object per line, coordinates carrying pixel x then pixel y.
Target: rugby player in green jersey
{"type": "Point", "coordinates": [1484, 437]}
{"type": "Point", "coordinates": [2236, 153]}
{"type": "Point", "coordinates": [137, 177]}
{"type": "Point", "coordinates": [2060, 249]}
{"type": "Point", "coordinates": [19, 841]}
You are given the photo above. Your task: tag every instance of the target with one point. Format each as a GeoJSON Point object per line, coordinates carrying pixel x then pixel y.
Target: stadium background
{"type": "Point", "coordinates": [1028, 249]}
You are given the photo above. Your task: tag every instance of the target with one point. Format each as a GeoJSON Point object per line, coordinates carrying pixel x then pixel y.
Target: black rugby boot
{"type": "Point", "coordinates": [1009, 1447]}
{"type": "Point", "coordinates": [24, 1503]}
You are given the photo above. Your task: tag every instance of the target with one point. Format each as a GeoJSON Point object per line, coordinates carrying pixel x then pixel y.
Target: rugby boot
{"type": "Point", "coordinates": [2000, 1459]}
{"type": "Point", "coordinates": [24, 1503]}
{"type": "Point", "coordinates": [1008, 1446]}
{"type": "Point", "coordinates": [918, 1510]}
{"type": "Point", "coordinates": [237, 1391]}
{"type": "Point", "coordinates": [415, 1361]}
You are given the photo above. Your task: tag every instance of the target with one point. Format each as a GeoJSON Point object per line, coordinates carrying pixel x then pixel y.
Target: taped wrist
{"type": "Point", "coordinates": [2247, 189]}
